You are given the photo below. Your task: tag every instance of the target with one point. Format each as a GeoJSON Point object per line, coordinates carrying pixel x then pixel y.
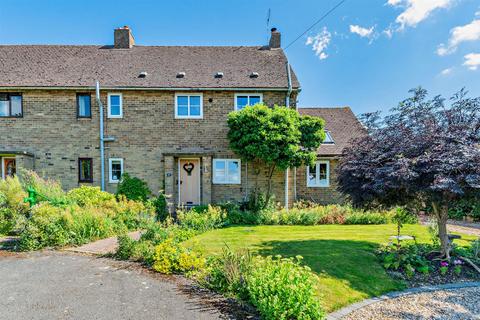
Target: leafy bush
{"type": "Point", "coordinates": [257, 201]}
{"type": "Point", "coordinates": [160, 205]}
{"type": "Point", "coordinates": [133, 188]}
{"type": "Point", "coordinates": [279, 288]}
{"type": "Point", "coordinates": [86, 195]}
{"type": "Point", "coordinates": [465, 207]}
{"type": "Point", "coordinates": [170, 257]}
{"type": "Point", "coordinates": [202, 220]}
{"type": "Point", "coordinates": [8, 220]}
{"type": "Point", "coordinates": [52, 226]}
{"type": "Point", "coordinates": [366, 218]}
{"type": "Point", "coordinates": [13, 194]}
{"type": "Point", "coordinates": [47, 189]}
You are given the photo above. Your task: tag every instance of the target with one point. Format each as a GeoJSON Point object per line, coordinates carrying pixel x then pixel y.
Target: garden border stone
{"type": "Point", "coordinates": [339, 314]}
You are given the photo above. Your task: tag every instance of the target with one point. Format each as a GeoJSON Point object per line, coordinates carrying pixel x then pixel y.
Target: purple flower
{"type": "Point", "coordinates": [457, 262]}
{"type": "Point", "coordinates": [444, 264]}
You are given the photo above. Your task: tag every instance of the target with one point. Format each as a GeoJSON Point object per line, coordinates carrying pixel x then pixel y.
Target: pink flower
{"type": "Point", "coordinates": [444, 264]}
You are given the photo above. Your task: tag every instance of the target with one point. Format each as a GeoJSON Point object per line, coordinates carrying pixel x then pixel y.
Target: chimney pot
{"type": "Point", "coordinates": [275, 39]}
{"type": "Point", "coordinates": [123, 38]}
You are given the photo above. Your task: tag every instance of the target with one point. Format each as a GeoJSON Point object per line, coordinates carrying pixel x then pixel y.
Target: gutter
{"type": "Point", "coordinates": [287, 104]}
{"type": "Point", "coordinates": [281, 89]}
{"type": "Point", "coordinates": [102, 140]}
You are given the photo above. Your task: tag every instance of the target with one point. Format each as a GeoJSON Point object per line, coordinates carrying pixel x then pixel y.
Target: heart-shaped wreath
{"type": "Point", "coordinates": [188, 167]}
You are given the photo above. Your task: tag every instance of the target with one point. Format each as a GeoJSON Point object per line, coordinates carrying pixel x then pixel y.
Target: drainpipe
{"type": "Point", "coordinates": [287, 104]}
{"type": "Point", "coordinates": [102, 140]}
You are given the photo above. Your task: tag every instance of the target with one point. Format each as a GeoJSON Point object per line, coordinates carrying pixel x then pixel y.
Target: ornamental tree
{"type": "Point", "coordinates": [279, 137]}
{"type": "Point", "coordinates": [425, 149]}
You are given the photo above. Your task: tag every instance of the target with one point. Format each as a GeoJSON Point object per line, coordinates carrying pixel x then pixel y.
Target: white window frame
{"type": "Point", "coordinates": [215, 181]}
{"type": "Point", "coordinates": [110, 161]}
{"type": "Point", "coordinates": [319, 183]}
{"type": "Point", "coordinates": [247, 94]}
{"type": "Point", "coordinates": [179, 94]}
{"type": "Point", "coordinates": [109, 110]}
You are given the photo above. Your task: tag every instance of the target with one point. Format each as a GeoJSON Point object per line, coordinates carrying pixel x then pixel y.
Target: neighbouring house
{"type": "Point", "coordinates": [164, 117]}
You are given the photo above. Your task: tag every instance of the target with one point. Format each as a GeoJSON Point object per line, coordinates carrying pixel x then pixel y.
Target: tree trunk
{"type": "Point", "coordinates": [269, 187]}
{"type": "Point", "coordinates": [441, 212]}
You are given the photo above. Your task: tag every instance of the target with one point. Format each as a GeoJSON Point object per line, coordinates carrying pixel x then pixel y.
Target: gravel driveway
{"type": "Point", "coordinates": [53, 285]}
{"type": "Point", "coordinates": [456, 304]}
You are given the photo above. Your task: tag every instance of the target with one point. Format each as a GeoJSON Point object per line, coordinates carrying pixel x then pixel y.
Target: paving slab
{"type": "Point", "coordinates": [102, 247]}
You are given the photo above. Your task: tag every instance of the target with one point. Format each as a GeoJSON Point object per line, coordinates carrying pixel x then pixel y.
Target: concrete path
{"type": "Point", "coordinates": [102, 247]}
{"type": "Point", "coordinates": [55, 285]}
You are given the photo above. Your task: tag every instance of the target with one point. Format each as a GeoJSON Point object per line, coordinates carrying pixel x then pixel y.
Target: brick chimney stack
{"type": "Point", "coordinates": [275, 39]}
{"type": "Point", "coordinates": [123, 38]}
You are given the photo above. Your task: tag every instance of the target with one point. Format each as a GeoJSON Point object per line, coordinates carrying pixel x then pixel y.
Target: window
{"type": "Point", "coordinates": [84, 109]}
{"type": "Point", "coordinates": [115, 105]}
{"type": "Point", "coordinates": [328, 138]}
{"type": "Point", "coordinates": [85, 170]}
{"type": "Point", "coordinates": [226, 171]}
{"type": "Point", "coordinates": [11, 105]}
{"type": "Point", "coordinates": [319, 176]}
{"type": "Point", "coordinates": [242, 100]}
{"type": "Point", "coordinates": [188, 106]}
{"type": "Point", "coordinates": [115, 169]}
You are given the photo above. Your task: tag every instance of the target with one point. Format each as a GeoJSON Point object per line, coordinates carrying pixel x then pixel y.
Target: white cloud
{"type": "Point", "coordinates": [472, 61]}
{"type": "Point", "coordinates": [416, 10]}
{"type": "Point", "coordinates": [319, 43]}
{"type": "Point", "coordinates": [468, 32]}
{"type": "Point", "coordinates": [446, 72]}
{"type": "Point", "coordinates": [362, 32]}
{"type": "Point", "coordinates": [477, 14]}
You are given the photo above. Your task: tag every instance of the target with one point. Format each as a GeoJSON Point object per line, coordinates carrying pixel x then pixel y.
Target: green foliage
{"type": "Point", "coordinates": [133, 188]}
{"type": "Point", "coordinates": [211, 218]}
{"type": "Point", "coordinates": [160, 205]}
{"type": "Point", "coordinates": [170, 257]}
{"type": "Point", "coordinates": [408, 258]}
{"type": "Point", "coordinates": [52, 226]}
{"type": "Point", "coordinates": [274, 135]}
{"type": "Point", "coordinates": [257, 201]}
{"type": "Point", "coordinates": [8, 220]}
{"type": "Point", "coordinates": [48, 189]}
{"type": "Point", "coordinates": [465, 207]}
{"type": "Point", "coordinates": [86, 195]}
{"type": "Point", "coordinates": [13, 194]}
{"type": "Point", "coordinates": [366, 218]}
{"type": "Point", "coordinates": [279, 288]}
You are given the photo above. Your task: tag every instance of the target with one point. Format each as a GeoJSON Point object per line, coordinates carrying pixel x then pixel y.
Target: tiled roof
{"type": "Point", "coordinates": [342, 125]}
{"type": "Point", "coordinates": [79, 66]}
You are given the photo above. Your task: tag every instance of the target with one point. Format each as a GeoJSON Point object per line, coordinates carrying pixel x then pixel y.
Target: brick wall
{"type": "Point", "coordinates": [324, 195]}
{"type": "Point", "coordinates": [51, 131]}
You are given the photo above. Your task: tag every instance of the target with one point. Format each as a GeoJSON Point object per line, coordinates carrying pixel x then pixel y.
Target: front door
{"type": "Point", "coordinates": [9, 167]}
{"type": "Point", "coordinates": [189, 182]}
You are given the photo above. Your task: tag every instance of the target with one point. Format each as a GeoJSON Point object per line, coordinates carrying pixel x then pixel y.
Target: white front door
{"type": "Point", "coordinates": [189, 182]}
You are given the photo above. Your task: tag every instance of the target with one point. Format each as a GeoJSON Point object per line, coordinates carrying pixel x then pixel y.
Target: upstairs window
{"type": "Point", "coordinates": [242, 100]}
{"type": "Point", "coordinates": [226, 171]}
{"type": "Point", "coordinates": [319, 176]}
{"type": "Point", "coordinates": [85, 170]}
{"type": "Point", "coordinates": [11, 105]}
{"type": "Point", "coordinates": [84, 109]}
{"type": "Point", "coordinates": [115, 169]}
{"type": "Point", "coordinates": [328, 138]}
{"type": "Point", "coordinates": [188, 106]}
{"type": "Point", "coordinates": [115, 105]}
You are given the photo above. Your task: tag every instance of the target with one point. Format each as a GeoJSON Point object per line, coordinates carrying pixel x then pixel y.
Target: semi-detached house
{"type": "Point", "coordinates": [164, 117]}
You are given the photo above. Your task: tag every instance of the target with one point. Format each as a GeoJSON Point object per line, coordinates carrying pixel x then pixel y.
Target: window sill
{"type": "Point", "coordinates": [318, 186]}
{"type": "Point", "coordinates": [188, 117]}
{"type": "Point", "coordinates": [224, 183]}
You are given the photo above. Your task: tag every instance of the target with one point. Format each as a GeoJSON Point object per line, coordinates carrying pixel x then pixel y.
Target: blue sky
{"type": "Point", "coordinates": [369, 53]}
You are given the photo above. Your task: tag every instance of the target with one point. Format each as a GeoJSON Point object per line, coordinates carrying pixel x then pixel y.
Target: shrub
{"type": "Point", "coordinates": [366, 218]}
{"type": "Point", "coordinates": [283, 289]}
{"type": "Point", "coordinates": [170, 257]}
{"type": "Point", "coordinates": [160, 205]}
{"type": "Point", "coordinates": [279, 288]}
{"type": "Point", "coordinates": [126, 246]}
{"type": "Point", "coordinates": [133, 188]}
{"type": "Point", "coordinates": [13, 194]}
{"type": "Point", "coordinates": [211, 218]}
{"type": "Point", "coordinates": [47, 189]}
{"type": "Point", "coordinates": [8, 220]}
{"type": "Point", "coordinates": [86, 195]}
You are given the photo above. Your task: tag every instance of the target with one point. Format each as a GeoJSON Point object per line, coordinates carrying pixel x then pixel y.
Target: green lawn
{"type": "Point", "coordinates": [343, 256]}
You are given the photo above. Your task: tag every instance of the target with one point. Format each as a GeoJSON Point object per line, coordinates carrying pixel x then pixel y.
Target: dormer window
{"type": "Point", "coordinates": [328, 138]}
